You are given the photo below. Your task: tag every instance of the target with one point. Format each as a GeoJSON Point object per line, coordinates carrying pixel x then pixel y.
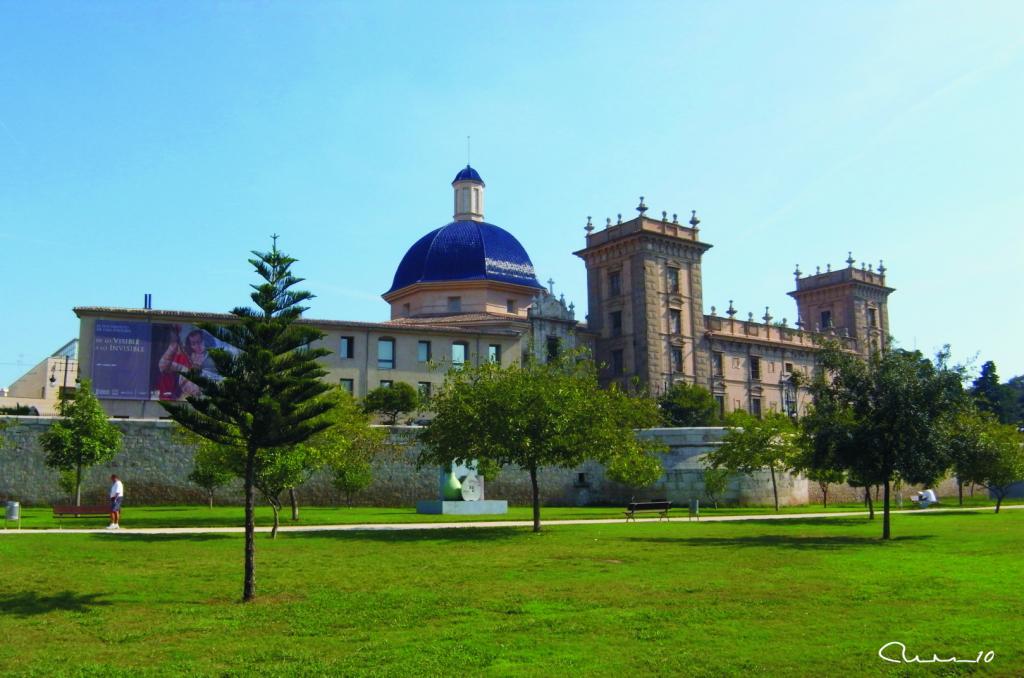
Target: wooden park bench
{"type": "Point", "coordinates": [659, 507]}
{"type": "Point", "coordinates": [63, 510]}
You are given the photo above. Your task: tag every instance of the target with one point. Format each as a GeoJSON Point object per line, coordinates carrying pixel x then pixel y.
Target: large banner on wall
{"type": "Point", "coordinates": [134, 360]}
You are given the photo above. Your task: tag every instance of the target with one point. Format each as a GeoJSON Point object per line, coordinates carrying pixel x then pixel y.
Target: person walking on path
{"type": "Point", "coordinates": [116, 495]}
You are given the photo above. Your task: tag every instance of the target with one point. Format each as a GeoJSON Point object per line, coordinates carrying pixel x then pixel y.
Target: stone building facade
{"type": "Point", "coordinates": [646, 310]}
{"type": "Point", "coordinates": [467, 292]}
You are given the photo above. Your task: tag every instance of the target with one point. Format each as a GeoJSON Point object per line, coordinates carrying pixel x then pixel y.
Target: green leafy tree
{"type": "Point", "coordinates": [82, 437]}
{"type": "Point", "coordinates": [207, 473]}
{"type": "Point", "coordinates": [986, 452]}
{"type": "Point", "coordinates": [753, 444]}
{"type": "Point", "coordinates": [991, 396]}
{"type": "Point", "coordinates": [826, 475]}
{"type": "Point", "coordinates": [5, 425]}
{"type": "Point", "coordinates": [1016, 388]}
{"type": "Point", "coordinates": [538, 415]}
{"type": "Point", "coordinates": [352, 475]}
{"type": "Point", "coordinates": [266, 398]}
{"type": "Point", "coordinates": [391, 401]}
{"type": "Point", "coordinates": [881, 418]}
{"type": "Point", "coordinates": [349, 446]}
{"type": "Point", "coordinates": [688, 405]}
{"type": "Point", "coordinates": [825, 478]}
{"type": "Point", "coordinates": [716, 482]}
{"type": "Point", "coordinates": [348, 443]}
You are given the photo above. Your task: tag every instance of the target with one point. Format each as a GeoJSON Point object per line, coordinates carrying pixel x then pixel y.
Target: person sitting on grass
{"type": "Point", "coordinates": [116, 495]}
{"type": "Point", "coordinates": [926, 498]}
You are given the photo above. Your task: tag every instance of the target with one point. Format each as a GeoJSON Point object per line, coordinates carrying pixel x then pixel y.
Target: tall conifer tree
{"type": "Point", "coordinates": [266, 396]}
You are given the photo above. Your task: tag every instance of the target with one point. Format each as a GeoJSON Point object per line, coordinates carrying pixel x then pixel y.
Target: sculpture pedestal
{"type": "Point", "coordinates": [463, 508]}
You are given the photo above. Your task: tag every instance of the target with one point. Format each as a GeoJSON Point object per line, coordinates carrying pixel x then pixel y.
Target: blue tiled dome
{"type": "Point", "coordinates": [468, 174]}
{"type": "Point", "coordinates": [466, 250]}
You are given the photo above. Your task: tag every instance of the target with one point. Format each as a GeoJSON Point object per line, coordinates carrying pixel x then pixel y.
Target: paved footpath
{"type": "Point", "coordinates": [360, 527]}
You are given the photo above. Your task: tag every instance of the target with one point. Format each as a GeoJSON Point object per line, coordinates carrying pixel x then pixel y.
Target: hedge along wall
{"type": "Point", "coordinates": [155, 468]}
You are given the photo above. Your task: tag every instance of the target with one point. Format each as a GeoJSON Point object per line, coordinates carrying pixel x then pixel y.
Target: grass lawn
{"type": "Point", "coordinates": [807, 597]}
{"type": "Point", "coordinates": [226, 516]}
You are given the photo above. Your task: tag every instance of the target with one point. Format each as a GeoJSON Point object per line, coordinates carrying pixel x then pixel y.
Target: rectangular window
{"type": "Point", "coordinates": [510, 305]}
{"type": "Point", "coordinates": [386, 383]}
{"type": "Point", "coordinates": [716, 364]}
{"type": "Point", "coordinates": [459, 351]}
{"type": "Point", "coordinates": [554, 347]}
{"type": "Point", "coordinates": [872, 317]}
{"type": "Point", "coordinates": [616, 323]}
{"type": "Point", "coordinates": [385, 354]}
{"type": "Point", "coordinates": [755, 407]}
{"type": "Point", "coordinates": [617, 367]}
{"type": "Point", "coordinates": [346, 348]}
{"type": "Point", "coordinates": [826, 319]}
{"type": "Point", "coordinates": [494, 353]}
{"type": "Point", "coordinates": [675, 321]}
{"type": "Point", "coordinates": [789, 368]}
{"type": "Point", "coordinates": [423, 351]}
{"type": "Point", "coordinates": [424, 388]}
{"type": "Point", "coordinates": [348, 385]}
{"type": "Point", "coordinates": [677, 359]}
{"type": "Point", "coordinates": [720, 402]}
{"type": "Point", "coordinates": [755, 368]}
{"type": "Point", "coordinates": [614, 283]}
{"type": "Point", "coordinates": [672, 275]}
{"type": "Point", "coordinates": [454, 304]}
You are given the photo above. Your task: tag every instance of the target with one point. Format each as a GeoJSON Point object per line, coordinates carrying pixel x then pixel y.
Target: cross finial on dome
{"type": "Point", "coordinates": [551, 285]}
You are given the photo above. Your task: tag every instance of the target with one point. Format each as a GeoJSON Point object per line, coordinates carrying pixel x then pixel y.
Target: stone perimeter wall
{"type": "Point", "coordinates": [155, 468]}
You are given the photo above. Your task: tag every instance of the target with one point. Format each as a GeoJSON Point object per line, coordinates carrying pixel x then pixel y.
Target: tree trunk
{"type": "Point", "coordinates": [536, 499]}
{"type": "Point", "coordinates": [824, 494]}
{"type": "Point", "coordinates": [249, 588]}
{"type": "Point", "coordinates": [871, 504]}
{"type": "Point", "coordinates": [885, 513]}
{"type": "Point", "coordinates": [972, 490]}
{"type": "Point", "coordinates": [276, 506]}
{"type": "Point", "coordinates": [775, 489]}
{"type": "Point", "coordinates": [960, 490]}
{"type": "Point", "coordinates": [295, 503]}
{"type": "Point", "coordinates": [877, 489]}
{"type": "Point", "coordinates": [999, 500]}
{"type": "Point", "coordinates": [211, 500]}
{"type": "Point", "coordinates": [78, 485]}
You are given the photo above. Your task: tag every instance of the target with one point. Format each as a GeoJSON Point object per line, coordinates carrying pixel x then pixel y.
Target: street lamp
{"type": "Point", "coordinates": [53, 375]}
{"type": "Point", "coordinates": [788, 385]}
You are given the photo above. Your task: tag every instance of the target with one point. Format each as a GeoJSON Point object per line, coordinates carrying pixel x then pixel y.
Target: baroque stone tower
{"type": "Point", "coordinates": [645, 300]}
{"type": "Point", "coordinates": [849, 301]}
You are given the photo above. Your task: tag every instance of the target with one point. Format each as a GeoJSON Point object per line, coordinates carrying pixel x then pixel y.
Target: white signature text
{"type": "Point", "coordinates": [885, 653]}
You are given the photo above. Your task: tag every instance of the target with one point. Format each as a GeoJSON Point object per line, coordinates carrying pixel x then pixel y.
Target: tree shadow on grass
{"type": "Point", "coordinates": [848, 521]}
{"type": "Point", "coordinates": [781, 541]}
{"type": "Point", "coordinates": [959, 513]}
{"type": "Point", "coordinates": [29, 603]}
{"type": "Point", "coordinates": [163, 538]}
{"type": "Point", "coordinates": [446, 535]}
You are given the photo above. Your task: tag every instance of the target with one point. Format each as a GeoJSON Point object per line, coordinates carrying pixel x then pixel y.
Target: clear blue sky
{"type": "Point", "coordinates": [147, 147]}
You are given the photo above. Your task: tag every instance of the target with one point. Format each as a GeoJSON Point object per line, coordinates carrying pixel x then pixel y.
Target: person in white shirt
{"type": "Point", "coordinates": [926, 498]}
{"type": "Point", "coordinates": [116, 496]}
